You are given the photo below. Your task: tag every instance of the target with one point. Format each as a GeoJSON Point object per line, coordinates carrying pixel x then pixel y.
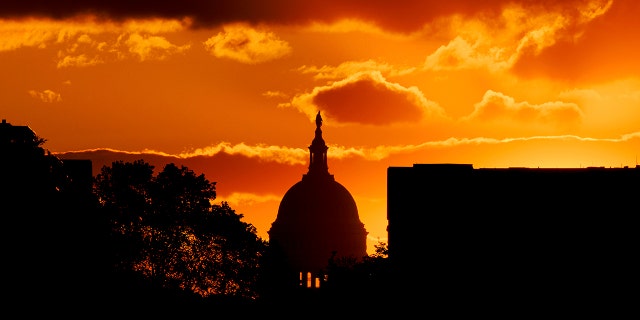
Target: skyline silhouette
{"type": "Point", "coordinates": [487, 234]}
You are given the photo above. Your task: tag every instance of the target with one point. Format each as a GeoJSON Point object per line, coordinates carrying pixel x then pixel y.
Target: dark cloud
{"type": "Point", "coordinates": [395, 15]}
{"type": "Point", "coordinates": [232, 173]}
{"type": "Point", "coordinates": [371, 101]}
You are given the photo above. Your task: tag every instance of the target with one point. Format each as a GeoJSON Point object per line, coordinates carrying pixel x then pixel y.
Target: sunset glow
{"type": "Point", "coordinates": [232, 90]}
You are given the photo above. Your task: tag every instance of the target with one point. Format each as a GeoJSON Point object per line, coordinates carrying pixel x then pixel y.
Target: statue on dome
{"type": "Point", "coordinates": [318, 120]}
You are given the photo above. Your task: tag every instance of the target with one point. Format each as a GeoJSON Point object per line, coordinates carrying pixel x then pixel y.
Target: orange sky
{"type": "Point", "coordinates": [231, 89]}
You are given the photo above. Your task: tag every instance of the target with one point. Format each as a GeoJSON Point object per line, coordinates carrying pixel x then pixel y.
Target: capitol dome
{"type": "Point", "coordinates": [317, 218]}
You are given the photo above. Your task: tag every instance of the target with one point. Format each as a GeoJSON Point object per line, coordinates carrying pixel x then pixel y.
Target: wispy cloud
{"type": "Point", "coordinates": [247, 44]}
{"type": "Point", "coordinates": [80, 60]}
{"type": "Point", "coordinates": [147, 47]}
{"type": "Point", "coordinates": [248, 199]}
{"type": "Point", "coordinates": [348, 68]}
{"type": "Point", "coordinates": [298, 156]}
{"type": "Point", "coordinates": [498, 42]}
{"type": "Point", "coordinates": [278, 154]}
{"type": "Point", "coordinates": [497, 106]}
{"type": "Point", "coordinates": [45, 96]}
{"type": "Point", "coordinates": [85, 41]}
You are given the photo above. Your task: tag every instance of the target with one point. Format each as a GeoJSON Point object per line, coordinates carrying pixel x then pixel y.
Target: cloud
{"type": "Point", "coordinates": [581, 95]}
{"type": "Point", "coordinates": [403, 16]}
{"type": "Point", "coordinates": [498, 42]}
{"type": "Point", "coordinates": [586, 57]}
{"type": "Point", "coordinates": [247, 199]}
{"type": "Point", "coordinates": [277, 154]}
{"type": "Point", "coordinates": [348, 68]}
{"type": "Point", "coordinates": [460, 54]}
{"type": "Point", "coordinates": [41, 33]}
{"type": "Point", "coordinates": [609, 103]}
{"type": "Point", "coordinates": [208, 13]}
{"type": "Point", "coordinates": [85, 41]}
{"type": "Point", "coordinates": [69, 56]}
{"type": "Point", "coordinates": [385, 151]}
{"type": "Point", "coordinates": [350, 25]}
{"type": "Point", "coordinates": [497, 106]}
{"type": "Point", "coordinates": [142, 46]}
{"type": "Point", "coordinates": [147, 47]}
{"type": "Point", "coordinates": [245, 157]}
{"type": "Point", "coordinates": [263, 153]}
{"type": "Point", "coordinates": [275, 94]}
{"type": "Point", "coordinates": [30, 33]}
{"type": "Point", "coordinates": [81, 60]}
{"type": "Point", "coordinates": [493, 34]}
{"type": "Point", "coordinates": [367, 98]}
{"type": "Point", "coordinates": [247, 45]}
{"type": "Point", "coordinates": [47, 96]}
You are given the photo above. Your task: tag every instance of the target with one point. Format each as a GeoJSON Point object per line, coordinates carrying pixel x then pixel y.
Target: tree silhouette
{"type": "Point", "coordinates": [347, 275]}
{"type": "Point", "coordinates": [166, 229]}
{"type": "Point", "coordinates": [123, 193]}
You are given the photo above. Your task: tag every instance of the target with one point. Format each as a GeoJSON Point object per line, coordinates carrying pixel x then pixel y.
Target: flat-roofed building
{"type": "Point", "coordinates": [505, 234]}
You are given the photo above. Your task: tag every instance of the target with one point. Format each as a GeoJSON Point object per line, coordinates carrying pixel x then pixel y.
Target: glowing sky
{"type": "Point", "coordinates": [231, 88]}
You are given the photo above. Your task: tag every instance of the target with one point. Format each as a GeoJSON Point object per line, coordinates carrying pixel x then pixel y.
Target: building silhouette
{"type": "Point", "coordinates": [16, 136]}
{"type": "Point", "coordinates": [530, 237]}
{"type": "Point", "coordinates": [28, 170]}
{"type": "Point", "coordinates": [317, 221]}
{"type": "Point", "coordinates": [49, 212]}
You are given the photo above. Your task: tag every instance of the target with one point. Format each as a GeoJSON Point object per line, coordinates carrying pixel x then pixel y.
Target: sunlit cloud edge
{"type": "Point", "coordinates": [297, 156]}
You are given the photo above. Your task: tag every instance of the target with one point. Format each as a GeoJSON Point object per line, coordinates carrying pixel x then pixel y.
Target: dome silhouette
{"type": "Point", "coordinates": [317, 217]}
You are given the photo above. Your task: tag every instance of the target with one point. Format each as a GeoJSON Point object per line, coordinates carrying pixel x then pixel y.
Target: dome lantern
{"type": "Point", "coordinates": [318, 152]}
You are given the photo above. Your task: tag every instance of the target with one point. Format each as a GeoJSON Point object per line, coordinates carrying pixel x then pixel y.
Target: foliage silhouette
{"type": "Point", "coordinates": [166, 229]}
{"type": "Point", "coordinates": [347, 276]}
